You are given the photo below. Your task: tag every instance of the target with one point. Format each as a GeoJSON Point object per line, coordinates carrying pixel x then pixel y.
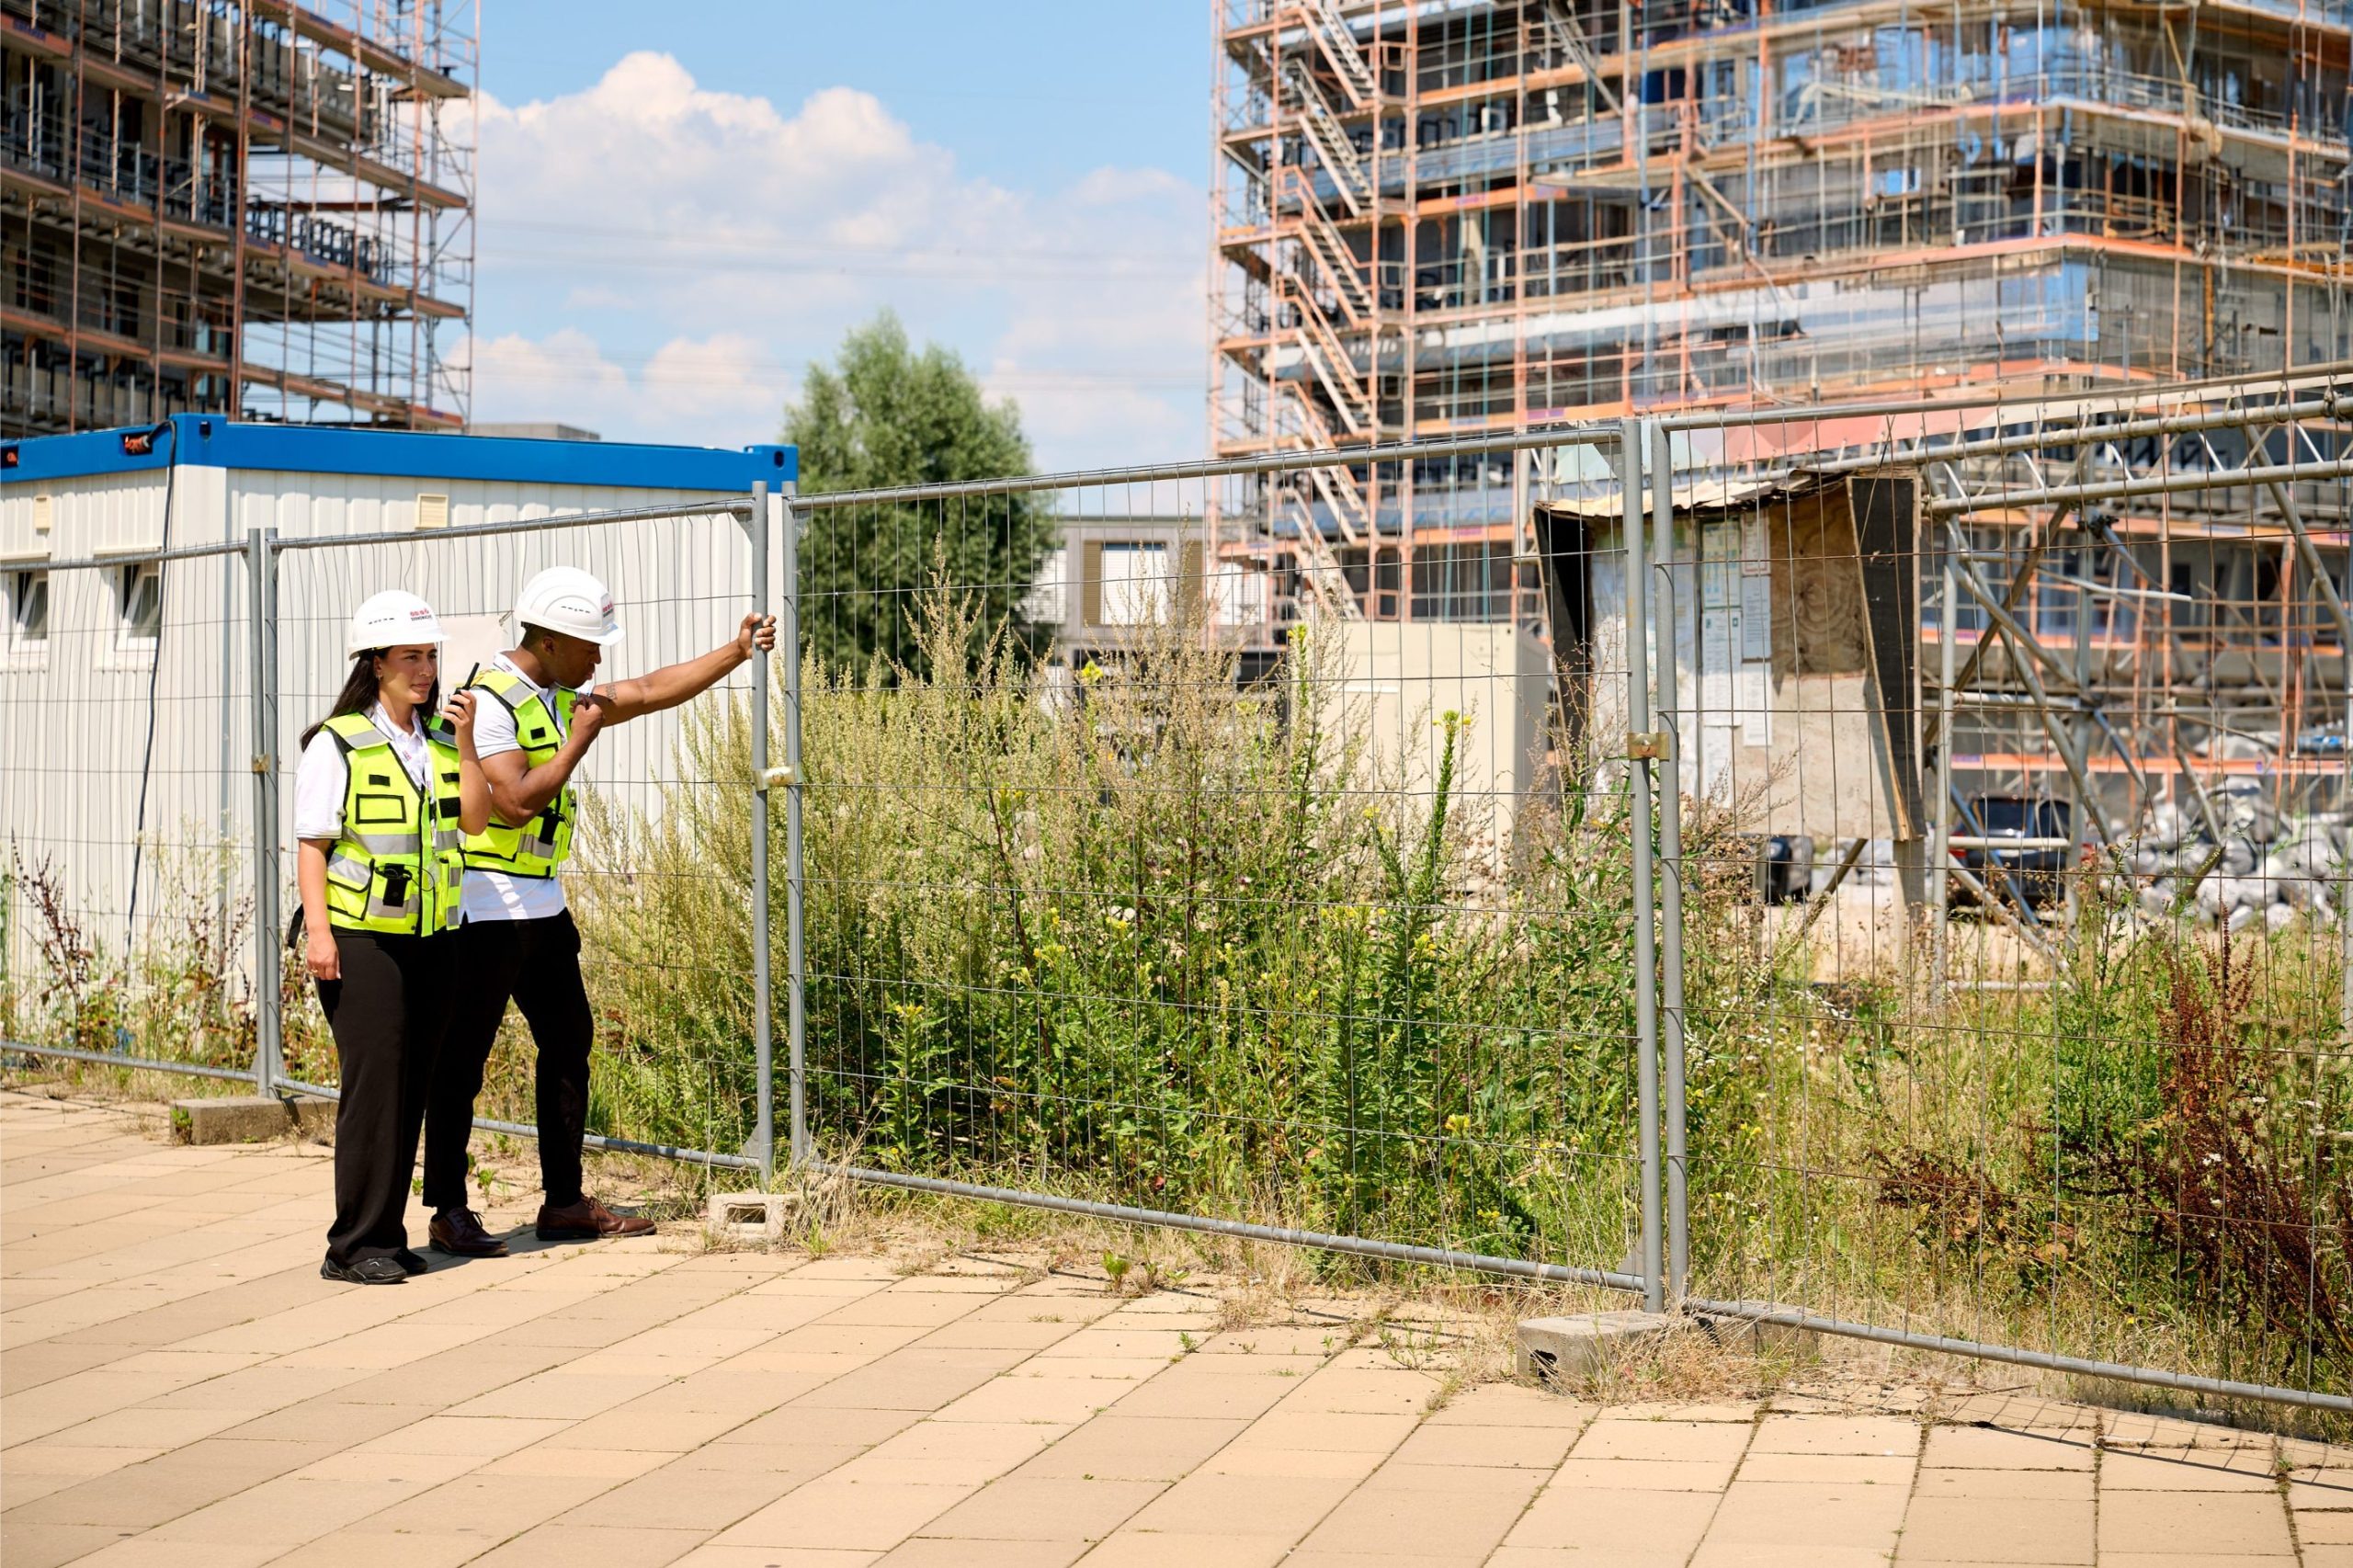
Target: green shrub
{"type": "Point", "coordinates": [1165, 947]}
{"type": "Point", "coordinates": [181, 993]}
{"type": "Point", "coordinates": [1168, 943]}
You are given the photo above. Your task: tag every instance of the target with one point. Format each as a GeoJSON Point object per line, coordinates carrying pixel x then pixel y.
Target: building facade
{"type": "Point", "coordinates": [1450, 217]}
{"type": "Point", "coordinates": [257, 210]}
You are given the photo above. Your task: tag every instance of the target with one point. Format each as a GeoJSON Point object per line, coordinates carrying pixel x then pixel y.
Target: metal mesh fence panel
{"type": "Point", "coordinates": [659, 883]}
{"type": "Point", "coordinates": [1882, 868]}
{"type": "Point", "coordinates": [1154, 857]}
{"type": "Point", "coordinates": [2013, 843]}
{"type": "Point", "coordinates": [125, 882]}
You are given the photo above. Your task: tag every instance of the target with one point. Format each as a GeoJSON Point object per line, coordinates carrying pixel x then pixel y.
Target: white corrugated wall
{"type": "Point", "coordinates": [75, 716]}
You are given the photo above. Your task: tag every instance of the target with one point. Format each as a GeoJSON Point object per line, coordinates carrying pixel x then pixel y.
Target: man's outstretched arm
{"type": "Point", "coordinates": [673, 684]}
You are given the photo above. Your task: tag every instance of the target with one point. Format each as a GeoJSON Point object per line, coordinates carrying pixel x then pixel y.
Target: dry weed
{"type": "Point", "coordinates": [1691, 1365]}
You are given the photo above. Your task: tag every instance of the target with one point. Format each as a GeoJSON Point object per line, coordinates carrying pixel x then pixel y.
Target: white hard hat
{"type": "Point", "coordinates": [566, 599]}
{"type": "Point", "coordinates": [392, 619]}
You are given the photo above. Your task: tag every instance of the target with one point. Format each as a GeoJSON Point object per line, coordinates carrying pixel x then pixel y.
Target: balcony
{"type": "Point", "coordinates": [130, 174]}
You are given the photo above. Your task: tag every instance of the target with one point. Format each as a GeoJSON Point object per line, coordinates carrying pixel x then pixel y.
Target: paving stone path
{"type": "Point", "coordinates": [177, 1386]}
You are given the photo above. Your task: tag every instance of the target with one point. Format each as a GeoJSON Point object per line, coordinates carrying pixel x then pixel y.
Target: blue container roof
{"type": "Point", "coordinates": [210, 441]}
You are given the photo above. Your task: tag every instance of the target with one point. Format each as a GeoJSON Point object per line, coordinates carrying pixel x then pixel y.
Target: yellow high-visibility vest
{"type": "Point", "coordinates": [397, 868]}
{"type": "Point", "coordinates": [539, 847]}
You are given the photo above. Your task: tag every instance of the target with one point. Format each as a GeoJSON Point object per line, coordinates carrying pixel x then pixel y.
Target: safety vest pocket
{"type": "Point", "coordinates": [368, 809]}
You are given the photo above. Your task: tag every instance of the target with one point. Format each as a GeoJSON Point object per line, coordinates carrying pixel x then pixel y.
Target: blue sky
{"type": "Point", "coordinates": [682, 207]}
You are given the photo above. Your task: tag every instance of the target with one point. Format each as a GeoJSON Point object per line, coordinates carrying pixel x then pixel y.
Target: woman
{"type": "Point", "coordinates": [383, 801]}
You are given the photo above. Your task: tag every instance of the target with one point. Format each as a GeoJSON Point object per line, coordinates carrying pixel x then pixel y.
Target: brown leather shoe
{"type": "Point", "coordinates": [459, 1232]}
{"type": "Point", "coordinates": [589, 1221]}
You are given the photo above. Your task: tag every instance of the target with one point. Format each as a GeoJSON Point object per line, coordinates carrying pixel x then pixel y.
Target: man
{"type": "Point", "coordinates": [538, 716]}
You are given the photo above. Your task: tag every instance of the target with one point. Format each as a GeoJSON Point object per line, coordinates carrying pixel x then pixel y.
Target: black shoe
{"type": "Point", "coordinates": [411, 1262]}
{"type": "Point", "coordinates": [367, 1271]}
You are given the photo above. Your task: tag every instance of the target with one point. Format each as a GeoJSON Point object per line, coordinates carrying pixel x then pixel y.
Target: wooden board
{"type": "Point", "coordinates": [1885, 511]}
{"type": "Point", "coordinates": [1843, 762]}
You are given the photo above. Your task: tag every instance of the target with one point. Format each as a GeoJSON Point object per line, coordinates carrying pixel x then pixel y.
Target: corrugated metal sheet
{"type": "Point", "coordinates": [95, 717]}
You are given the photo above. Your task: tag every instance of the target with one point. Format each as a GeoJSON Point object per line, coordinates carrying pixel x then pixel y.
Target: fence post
{"type": "Point", "coordinates": [795, 976]}
{"type": "Point", "coordinates": [261, 559]}
{"type": "Point", "coordinates": [1940, 810]}
{"type": "Point", "coordinates": [1639, 749]}
{"type": "Point", "coordinates": [1670, 854]}
{"type": "Point", "coordinates": [763, 1027]}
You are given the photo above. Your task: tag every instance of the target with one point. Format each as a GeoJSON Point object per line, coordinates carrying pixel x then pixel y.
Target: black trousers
{"type": "Point", "coordinates": [537, 962]}
{"type": "Point", "coordinates": [389, 1013]}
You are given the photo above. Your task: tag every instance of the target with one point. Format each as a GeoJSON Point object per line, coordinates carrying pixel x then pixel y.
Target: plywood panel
{"type": "Point", "coordinates": [1823, 773]}
{"type": "Point", "coordinates": [1885, 507]}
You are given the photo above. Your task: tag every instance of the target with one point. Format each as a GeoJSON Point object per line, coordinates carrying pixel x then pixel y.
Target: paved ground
{"type": "Point", "coordinates": [177, 1386]}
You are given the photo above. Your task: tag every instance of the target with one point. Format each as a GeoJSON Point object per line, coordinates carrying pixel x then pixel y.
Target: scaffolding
{"type": "Point", "coordinates": [1481, 215]}
{"type": "Point", "coordinates": [2130, 603]}
{"type": "Point", "coordinates": [248, 208]}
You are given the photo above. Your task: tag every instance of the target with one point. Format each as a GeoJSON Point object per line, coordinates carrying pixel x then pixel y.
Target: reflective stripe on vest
{"type": "Point", "coordinates": [396, 868]}
{"type": "Point", "coordinates": [541, 845]}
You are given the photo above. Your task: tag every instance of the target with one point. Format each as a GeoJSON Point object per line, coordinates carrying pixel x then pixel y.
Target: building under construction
{"type": "Point", "coordinates": [1458, 217]}
{"type": "Point", "coordinates": [248, 208]}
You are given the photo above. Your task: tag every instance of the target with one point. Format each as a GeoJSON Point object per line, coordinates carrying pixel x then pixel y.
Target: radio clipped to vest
{"type": "Point", "coordinates": [398, 867]}
{"type": "Point", "coordinates": [541, 847]}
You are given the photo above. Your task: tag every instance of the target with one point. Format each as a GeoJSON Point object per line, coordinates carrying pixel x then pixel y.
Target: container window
{"type": "Point", "coordinates": [140, 595]}
{"type": "Point", "coordinates": [27, 612]}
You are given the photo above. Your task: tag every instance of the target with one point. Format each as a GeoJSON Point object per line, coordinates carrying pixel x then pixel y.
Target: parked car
{"type": "Point", "coordinates": [2038, 871]}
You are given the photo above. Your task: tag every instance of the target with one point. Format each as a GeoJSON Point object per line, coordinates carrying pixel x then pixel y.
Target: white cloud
{"type": "Point", "coordinates": [714, 391]}
{"type": "Point", "coordinates": [721, 379]}
{"type": "Point", "coordinates": [514, 371]}
{"type": "Point", "coordinates": [661, 261]}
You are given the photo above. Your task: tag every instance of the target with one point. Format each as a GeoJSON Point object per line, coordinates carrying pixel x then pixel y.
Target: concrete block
{"type": "Point", "coordinates": [1749, 1337]}
{"type": "Point", "coordinates": [751, 1216]}
{"type": "Point", "coordinates": [248, 1118]}
{"type": "Point", "coordinates": [1573, 1350]}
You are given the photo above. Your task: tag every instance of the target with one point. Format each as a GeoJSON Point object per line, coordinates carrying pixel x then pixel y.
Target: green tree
{"type": "Point", "coordinates": [885, 414]}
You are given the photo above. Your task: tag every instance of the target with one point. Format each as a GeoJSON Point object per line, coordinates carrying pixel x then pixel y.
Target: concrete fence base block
{"type": "Point", "coordinates": [1752, 1337]}
{"type": "Point", "coordinates": [248, 1118]}
{"type": "Point", "coordinates": [1578, 1349]}
{"type": "Point", "coordinates": [751, 1216]}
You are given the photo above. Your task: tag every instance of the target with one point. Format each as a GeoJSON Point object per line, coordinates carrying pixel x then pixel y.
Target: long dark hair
{"type": "Point", "coordinates": [360, 689]}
